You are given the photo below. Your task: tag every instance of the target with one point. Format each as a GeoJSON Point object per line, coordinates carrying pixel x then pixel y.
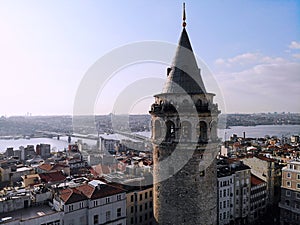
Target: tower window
{"type": "Point", "coordinates": [170, 132]}
{"type": "Point", "coordinates": [202, 131]}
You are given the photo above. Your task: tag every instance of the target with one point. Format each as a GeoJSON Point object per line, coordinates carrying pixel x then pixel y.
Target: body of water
{"type": "Point", "coordinates": [260, 131]}
{"type": "Point", "coordinates": [251, 131]}
{"type": "Point", "coordinates": [56, 145]}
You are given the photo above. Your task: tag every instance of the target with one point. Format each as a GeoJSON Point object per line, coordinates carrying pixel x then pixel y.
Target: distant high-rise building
{"type": "Point", "coordinates": [43, 150]}
{"type": "Point", "coordinates": [184, 129]}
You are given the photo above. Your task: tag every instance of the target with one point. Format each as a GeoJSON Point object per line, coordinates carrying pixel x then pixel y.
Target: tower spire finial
{"type": "Point", "coordinates": [183, 16]}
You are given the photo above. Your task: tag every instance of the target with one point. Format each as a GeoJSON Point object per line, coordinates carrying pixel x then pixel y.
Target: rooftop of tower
{"type": "Point", "coordinates": [184, 75]}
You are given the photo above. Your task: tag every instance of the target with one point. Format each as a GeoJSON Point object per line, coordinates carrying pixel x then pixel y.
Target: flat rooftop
{"type": "Point", "coordinates": [28, 213]}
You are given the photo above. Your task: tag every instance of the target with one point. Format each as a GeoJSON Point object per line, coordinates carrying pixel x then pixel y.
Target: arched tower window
{"type": "Point", "coordinates": [170, 130]}
{"type": "Point", "coordinates": [186, 130]}
{"type": "Point", "coordinates": [213, 130]}
{"type": "Point", "coordinates": [157, 129]}
{"type": "Point", "coordinates": [202, 131]}
{"type": "Point", "coordinates": [199, 103]}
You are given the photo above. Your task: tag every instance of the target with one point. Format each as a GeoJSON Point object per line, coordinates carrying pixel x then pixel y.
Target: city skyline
{"type": "Point", "coordinates": [252, 48]}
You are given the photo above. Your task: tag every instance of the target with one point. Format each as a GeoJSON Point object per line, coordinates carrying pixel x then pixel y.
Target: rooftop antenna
{"type": "Point", "coordinates": [183, 16]}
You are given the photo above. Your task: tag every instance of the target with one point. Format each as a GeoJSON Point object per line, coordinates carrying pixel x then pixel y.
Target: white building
{"type": "Point", "coordinates": [233, 192]}
{"type": "Point", "coordinates": [225, 197]}
{"type": "Point", "coordinates": [92, 203]}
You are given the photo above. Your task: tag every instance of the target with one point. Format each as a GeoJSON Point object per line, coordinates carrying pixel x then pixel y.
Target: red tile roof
{"type": "Point", "coordinates": [52, 177]}
{"type": "Point", "coordinates": [46, 167]}
{"type": "Point", "coordinates": [87, 191]}
{"type": "Point", "coordinates": [71, 195]}
{"type": "Point", "coordinates": [105, 191]}
{"type": "Point", "coordinates": [256, 181]}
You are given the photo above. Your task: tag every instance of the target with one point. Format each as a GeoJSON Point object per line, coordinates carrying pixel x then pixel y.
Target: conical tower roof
{"type": "Point", "coordinates": [184, 75]}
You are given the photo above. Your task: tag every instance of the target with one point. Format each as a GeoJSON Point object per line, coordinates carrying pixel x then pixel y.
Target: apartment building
{"type": "Point", "coordinates": [140, 205]}
{"type": "Point", "coordinates": [225, 197]}
{"type": "Point", "coordinates": [290, 194]}
{"type": "Point", "coordinates": [258, 198]}
{"type": "Point", "coordinates": [233, 192]}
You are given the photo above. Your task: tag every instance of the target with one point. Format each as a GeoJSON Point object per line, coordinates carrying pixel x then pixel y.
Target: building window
{"type": "Point", "coordinates": [131, 220]}
{"type": "Point", "coordinates": [107, 215]}
{"type": "Point", "coordinates": [288, 175]}
{"type": "Point", "coordinates": [131, 198]}
{"type": "Point", "coordinates": [119, 197]}
{"type": "Point", "coordinates": [150, 193]}
{"type": "Point", "coordinates": [287, 202]}
{"type": "Point", "coordinates": [298, 195]}
{"type": "Point", "coordinates": [96, 219]}
{"type": "Point", "coordinates": [288, 193]}
{"type": "Point", "coordinates": [81, 205]}
{"type": "Point", "coordinates": [107, 200]}
{"type": "Point", "coordinates": [151, 204]}
{"type": "Point", "coordinates": [298, 176]}
{"type": "Point", "coordinates": [220, 193]}
{"type": "Point", "coordinates": [95, 203]}
{"type": "Point", "coordinates": [70, 207]}
{"type": "Point", "coordinates": [151, 214]}
{"type": "Point", "coordinates": [141, 197]}
{"type": "Point", "coordinates": [131, 209]}
{"type": "Point", "coordinates": [298, 185]}
{"type": "Point", "coordinates": [146, 206]}
{"type": "Point", "coordinates": [141, 219]}
{"type": "Point", "coordinates": [146, 195]}
{"type": "Point", "coordinates": [141, 208]}
{"type": "Point", "coordinates": [119, 212]}
{"type": "Point", "coordinates": [288, 183]}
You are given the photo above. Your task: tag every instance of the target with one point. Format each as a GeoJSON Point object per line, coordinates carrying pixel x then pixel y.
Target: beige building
{"type": "Point", "coordinates": [139, 205]}
{"type": "Point", "coordinates": [290, 194]}
{"type": "Point", "coordinates": [30, 179]}
{"type": "Point", "coordinates": [264, 168]}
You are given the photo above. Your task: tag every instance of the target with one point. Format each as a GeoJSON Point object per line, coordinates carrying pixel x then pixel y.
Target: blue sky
{"type": "Point", "coordinates": [46, 47]}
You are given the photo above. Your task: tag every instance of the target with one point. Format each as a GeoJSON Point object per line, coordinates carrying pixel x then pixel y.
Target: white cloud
{"type": "Point", "coordinates": [266, 84]}
{"type": "Point", "coordinates": [220, 61]}
{"type": "Point", "coordinates": [246, 61]}
{"type": "Point", "coordinates": [294, 45]}
{"type": "Point", "coordinates": [245, 58]}
{"type": "Point", "coordinates": [297, 56]}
